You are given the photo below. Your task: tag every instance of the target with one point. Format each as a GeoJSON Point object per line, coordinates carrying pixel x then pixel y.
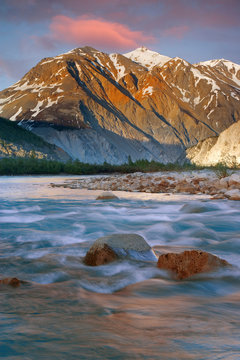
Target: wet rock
{"type": "Point", "coordinates": [189, 263]}
{"type": "Point", "coordinates": [107, 195]}
{"type": "Point", "coordinates": [109, 248]}
{"type": "Point", "coordinates": [14, 282]}
{"type": "Point", "coordinates": [100, 255]}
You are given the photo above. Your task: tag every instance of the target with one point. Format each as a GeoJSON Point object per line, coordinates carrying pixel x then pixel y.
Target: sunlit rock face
{"type": "Point", "coordinates": [222, 149]}
{"type": "Point", "coordinates": [189, 263]}
{"type": "Point", "coordinates": [104, 107]}
{"type": "Point", "coordinates": [110, 248]}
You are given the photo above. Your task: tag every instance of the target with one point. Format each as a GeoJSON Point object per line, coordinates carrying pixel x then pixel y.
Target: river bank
{"type": "Point", "coordinates": [200, 182]}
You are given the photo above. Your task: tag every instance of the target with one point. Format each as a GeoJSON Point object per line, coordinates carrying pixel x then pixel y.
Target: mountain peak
{"type": "Point", "coordinates": [142, 48]}
{"type": "Point", "coordinates": [147, 58]}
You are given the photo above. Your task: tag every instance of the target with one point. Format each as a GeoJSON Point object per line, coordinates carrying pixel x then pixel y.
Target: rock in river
{"type": "Point", "coordinates": [14, 282]}
{"type": "Point", "coordinates": [109, 248]}
{"type": "Point", "coordinates": [189, 263]}
{"type": "Point", "coordinates": [107, 195]}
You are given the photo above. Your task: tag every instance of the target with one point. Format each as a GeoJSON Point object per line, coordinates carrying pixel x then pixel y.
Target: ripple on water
{"type": "Point", "coordinates": [21, 219]}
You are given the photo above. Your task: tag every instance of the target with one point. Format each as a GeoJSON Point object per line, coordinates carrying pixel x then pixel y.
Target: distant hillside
{"type": "Point", "coordinates": [18, 142]}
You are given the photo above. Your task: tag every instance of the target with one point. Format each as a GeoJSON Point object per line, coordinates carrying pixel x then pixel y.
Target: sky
{"type": "Point", "coordinates": [195, 30]}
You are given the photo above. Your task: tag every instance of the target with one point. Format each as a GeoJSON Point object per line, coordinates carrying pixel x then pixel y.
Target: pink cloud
{"type": "Point", "coordinates": [95, 32]}
{"type": "Point", "coordinates": [176, 31]}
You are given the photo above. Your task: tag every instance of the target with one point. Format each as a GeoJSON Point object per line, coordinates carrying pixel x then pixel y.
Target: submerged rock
{"type": "Point", "coordinates": [109, 248]}
{"type": "Point", "coordinates": [14, 282]}
{"type": "Point", "coordinates": [194, 208]}
{"type": "Point", "coordinates": [107, 195]}
{"type": "Point", "coordinates": [189, 263]}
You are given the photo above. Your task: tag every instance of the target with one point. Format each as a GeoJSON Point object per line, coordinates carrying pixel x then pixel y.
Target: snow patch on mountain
{"type": "Point", "coordinates": [199, 76]}
{"type": "Point", "coordinates": [148, 90]}
{"type": "Point", "coordinates": [235, 96]}
{"type": "Point", "coordinates": [52, 102]}
{"type": "Point", "coordinates": [121, 70]}
{"type": "Point", "coordinates": [37, 110]}
{"type": "Point", "coordinates": [209, 102]}
{"type": "Point", "coordinates": [13, 118]}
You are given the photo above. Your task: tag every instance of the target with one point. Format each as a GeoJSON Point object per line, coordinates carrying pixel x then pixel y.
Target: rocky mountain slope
{"type": "Point", "coordinates": [222, 149]}
{"type": "Point", "coordinates": [18, 142]}
{"type": "Point", "coordinates": [100, 107]}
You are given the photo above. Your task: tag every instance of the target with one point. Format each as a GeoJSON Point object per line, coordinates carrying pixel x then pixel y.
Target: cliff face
{"type": "Point", "coordinates": [222, 149]}
{"type": "Point", "coordinates": [106, 107]}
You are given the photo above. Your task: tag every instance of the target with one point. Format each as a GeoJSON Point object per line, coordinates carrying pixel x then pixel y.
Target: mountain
{"type": "Point", "coordinates": [18, 142]}
{"type": "Point", "coordinates": [104, 107]}
{"type": "Point", "coordinates": [222, 149]}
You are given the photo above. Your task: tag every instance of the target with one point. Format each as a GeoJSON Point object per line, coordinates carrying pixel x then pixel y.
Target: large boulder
{"type": "Point", "coordinates": [189, 263]}
{"type": "Point", "coordinates": [109, 248]}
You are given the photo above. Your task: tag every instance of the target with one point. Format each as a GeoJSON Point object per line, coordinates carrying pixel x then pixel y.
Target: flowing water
{"type": "Point", "coordinates": [125, 310]}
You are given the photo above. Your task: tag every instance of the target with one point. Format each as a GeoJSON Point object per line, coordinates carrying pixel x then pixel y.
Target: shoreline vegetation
{"type": "Point", "coordinates": [34, 166]}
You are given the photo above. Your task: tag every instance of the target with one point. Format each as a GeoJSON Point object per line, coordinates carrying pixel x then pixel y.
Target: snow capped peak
{"type": "Point", "coordinates": [147, 58]}
{"type": "Point", "coordinates": [229, 68]}
{"type": "Point", "coordinates": [216, 62]}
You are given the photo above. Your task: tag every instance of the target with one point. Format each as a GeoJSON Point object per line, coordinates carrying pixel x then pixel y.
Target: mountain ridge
{"type": "Point", "coordinates": [156, 110]}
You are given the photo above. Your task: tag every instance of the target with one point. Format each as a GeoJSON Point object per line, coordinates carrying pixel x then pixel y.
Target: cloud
{"type": "Point", "coordinates": [212, 13]}
{"type": "Point", "coordinates": [176, 31]}
{"type": "Point", "coordinates": [86, 30]}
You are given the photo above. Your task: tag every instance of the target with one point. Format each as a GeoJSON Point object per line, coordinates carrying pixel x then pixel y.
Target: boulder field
{"type": "Point", "coordinates": [217, 184]}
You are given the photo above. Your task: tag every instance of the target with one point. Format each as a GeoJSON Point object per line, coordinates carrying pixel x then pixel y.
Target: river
{"type": "Point", "coordinates": [125, 310]}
